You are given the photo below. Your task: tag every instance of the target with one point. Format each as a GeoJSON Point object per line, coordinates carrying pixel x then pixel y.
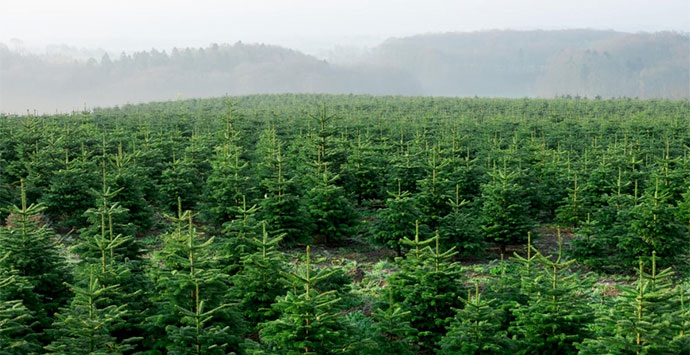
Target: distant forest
{"type": "Point", "coordinates": [584, 63]}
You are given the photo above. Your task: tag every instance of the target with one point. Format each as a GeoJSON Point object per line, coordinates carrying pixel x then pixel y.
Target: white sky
{"type": "Point", "coordinates": [310, 25]}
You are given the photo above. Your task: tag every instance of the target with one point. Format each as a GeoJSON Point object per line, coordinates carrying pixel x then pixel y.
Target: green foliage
{"type": "Point", "coordinates": [656, 228]}
{"type": "Point", "coordinates": [179, 179]}
{"type": "Point", "coordinates": [131, 196]}
{"type": "Point", "coordinates": [428, 286]}
{"type": "Point", "coordinates": [16, 333]}
{"type": "Point", "coordinates": [649, 317]}
{"type": "Point", "coordinates": [260, 280]}
{"type": "Point", "coordinates": [305, 321]}
{"type": "Point", "coordinates": [505, 220]}
{"type": "Point", "coordinates": [572, 213]}
{"type": "Point", "coordinates": [459, 228]}
{"type": "Point", "coordinates": [332, 214]}
{"type": "Point", "coordinates": [85, 327]}
{"type": "Point", "coordinates": [227, 182]}
{"type": "Point", "coordinates": [364, 170]}
{"type": "Point", "coordinates": [396, 221]}
{"type": "Point", "coordinates": [68, 196]}
{"type": "Point", "coordinates": [34, 257]}
{"type": "Point", "coordinates": [116, 261]}
{"type": "Point", "coordinates": [194, 312]}
{"type": "Point", "coordinates": [476, 329]}
{"type": "Point", "coordinates": [281, 207]}
{"type": "Point", "coordinates": [554, 318]}
{"type": "Point", "coordinates": [433, 190]}
{"type": "Point", "coordinates": [392, 328]}
{"type": "Point", "coordinates": [615, 171]}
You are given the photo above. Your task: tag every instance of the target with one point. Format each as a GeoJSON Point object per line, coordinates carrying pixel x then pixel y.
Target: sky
{"type": "Point", "coordinates": [309, 25]}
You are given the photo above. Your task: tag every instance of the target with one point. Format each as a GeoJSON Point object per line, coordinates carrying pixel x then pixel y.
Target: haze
{"type": "Point", "coordinates": [70, 55]}
{"type": "Point", "coordinates": [307, 25]}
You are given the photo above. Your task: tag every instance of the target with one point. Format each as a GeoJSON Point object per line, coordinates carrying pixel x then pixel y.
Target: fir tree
{"type": "Point", "coordinates": [16, 333]}
{"type": "Point", "coordinates": [85, 328]}
{"type": "Point", "coordinates": [654, 223]}
{"type": "Point", "coordinates": [459, 227]}
{"type": "Point", "coordinates": [260, 280]}
{"type": "Point", "coordinates": [306, 323]}
{"type": "Point", "coordinates": [196, 317]}
{"type": "Point", "coordinates": [332, 214]}
{"type": "Point", "coordinates": [228, 180]}
{"type": "Point", "coordinates": [555, 317]}
{"type": "Point", "coordinates": [648, 318]}
{"type": "Point", "coordinates": [427, 285]}
{"type": "Point", "coordinates": [397, 220]}
{"type": "Point", "coordinates": [281, 208]}
{"type": "Point", "coordinates": [476, 329]}
{"type": "Point", "coordinates": [34, 257]}
{"type": "Point", "coordinates": [505, 219]}
{"type": "Point", "coordinates": [237, 237]}
{"type": "Point", "coordinates": [392, 328]}
{"type": "Point", "coordinates": [432, 197]}
{"type": "Point", "coordinates": [116, 260]}
{"type": "Point", "coordinates": [180, 178]}
{"type": "Point", "coordinates": [365, 170]}
{"type": "Point", "coordinates": [125, 179]}
{"type": "Point", "coordinates": [572, 212]}
{"type": "Point", "coordinates": [67, 197]}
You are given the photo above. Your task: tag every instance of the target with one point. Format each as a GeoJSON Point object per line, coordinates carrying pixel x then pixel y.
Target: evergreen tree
{"type": "Point", "coordinates": [107, 229]}
{"type": "Point", "coordinates": [657, 229]}
{"type": "Point", "coordinates": [306, 323]}
{"type": "Point", "coordinates": [227, 181]}
{"type": "Point", "coordinates": [281, 208]}
{"type": "Point", "coordinates": [260, 280]}
{"type": "Point", "coordinates": [125, 179]}
{"type": "Point", "coordinates": [67, 197]}
{"type": "Point", "coordinates": [85, 328]}
{"type": "Point", "coordinates": [16, 333]}
{"type": "Point", "coordinates": [648, 318]}
{"type": "Point", "coordinates": [476, 329]}
{"type": "Point", "coordinates": [427, 285]}
{"type": "Point", "coordinates": [600, 238]}
{"type": "Point", "coordinates": [572, 212]}
{"type": "Point", "coordinates": [397, 220]}
{"type": "Point", "coordinates": [555, 318]}
{"type": "Point", "coordinates": [392, 328]}
{"type": "Point", "coordinates": [116, 260]}
{"type": "Point", "coordinates": [432, 197]}
{"type": "Point", "coordinates": [459, 228]}
{"type": "Point", "coordinates": [237, 237]}
{"type": "Point", "coordinates": [34, 257]}
{"type": "Point", "coordinates": [365, 170]}
{"type": "Point", "coordinates": [333, 216]}
{"type": "Point", "coordinates": [193, 310]}
{"type": "Point", "coordinates": [180, 178]}
{"type": "Point", "coordinates": [684, 209]}
{"type": "Point", "coordinates": [504, 212]}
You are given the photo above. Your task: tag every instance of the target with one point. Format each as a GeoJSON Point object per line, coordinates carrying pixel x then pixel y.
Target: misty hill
{"type": "Point", "coordinates": [46, 83]}
{"type": "Point", "coordinates": [544, 63]}
{"type": "Point", "coordinates": [489, 63]}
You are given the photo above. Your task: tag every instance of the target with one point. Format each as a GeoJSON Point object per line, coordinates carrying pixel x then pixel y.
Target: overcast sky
{"type": "Point", "coordinates": [310, 25]}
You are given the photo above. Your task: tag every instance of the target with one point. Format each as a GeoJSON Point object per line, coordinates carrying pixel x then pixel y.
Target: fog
{"type": "Point", "coordinates": [377, 47]}
{"type": "Point", "coordinates": [311, 26]}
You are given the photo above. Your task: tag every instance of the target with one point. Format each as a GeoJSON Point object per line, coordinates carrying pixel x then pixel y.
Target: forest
{"type": "Point", "coordinates": [511, 64]}
{"type": "Point", "coordinates": [347, 224]}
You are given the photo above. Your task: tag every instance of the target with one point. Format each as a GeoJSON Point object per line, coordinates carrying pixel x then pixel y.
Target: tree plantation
{"type": "Point", "coordinates": [334, 224]}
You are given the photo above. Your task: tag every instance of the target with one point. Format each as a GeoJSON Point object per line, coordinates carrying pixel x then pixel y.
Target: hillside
{"type": "Point", "coordinates": [489, 63]}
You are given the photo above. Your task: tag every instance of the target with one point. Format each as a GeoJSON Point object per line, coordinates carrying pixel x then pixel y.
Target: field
{"type": "Point", "coordinates": [286, 224]}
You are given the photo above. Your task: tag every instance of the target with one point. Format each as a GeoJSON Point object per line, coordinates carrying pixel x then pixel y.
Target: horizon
{"type": "Point", "coordinates": [325, 52]}
{"type": "Point", "coordinates": [312, 28]}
